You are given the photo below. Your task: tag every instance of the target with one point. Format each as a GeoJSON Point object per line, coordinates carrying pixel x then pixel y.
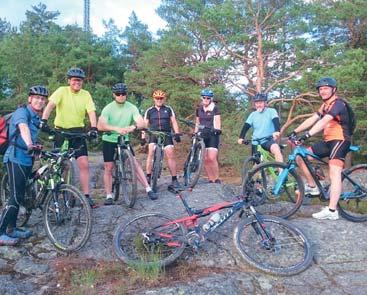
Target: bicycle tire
{"type": "Point", "coordinates": [287, 253]}
{"type": "Point", "coordinates": [127, 181]}
{"type": "Point", "coordinates": [157, 167]}
{"type": "Point", "coordinates": [354, 208]}
{"type": "Point", "coordinates": [71, 174]}
{"type": "Point", "coordinates": [248, 164]}
{"type": "Point", "coordinates": [169, 241]}
{"type": "Point", "coordinates": [259, 186]}
{"type": "Point", "coordinates": [194, 165]}
{"type": "Point", "coordinates": [74, 210]}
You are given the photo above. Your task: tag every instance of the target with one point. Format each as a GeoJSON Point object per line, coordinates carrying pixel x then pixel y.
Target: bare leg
{"type": "Point", "coordinates": [171, 159]}
{"type": "Point", "coordinates": [107, 177]}
{"type": "Point", "coordinates": [83, 165]}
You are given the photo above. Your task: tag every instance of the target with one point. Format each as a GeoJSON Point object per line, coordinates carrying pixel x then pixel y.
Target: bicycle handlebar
{"type": "Point", "coordinates": [69, 135]}
{"type": "Point", "coordinates": [247, 142]}
{"type": "Point", "coordinates": [191, 124]}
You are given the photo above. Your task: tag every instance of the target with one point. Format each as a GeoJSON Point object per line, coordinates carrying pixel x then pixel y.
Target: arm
{"type": "Point", "coordinates": [244, 130]}
{"type": "Point", "coordinates": [276, 123]}
{"type": "Point", "coordinates": [307, 123]}
{"type": "Point", "coordinates": [174, 125]}
{"type": "Point", "coordinates": [25, 133]}
{"type": "Point", "coordinates": [217, 122]}
{"type": "Point", "coordinates": [48, 109]}
{"type": "Point", "coordinates": [92, 118]}
{"type": "Point", "coordinates": [197, 123]}
{"type": "Point", "coordinates": [103, 126]}
{"type": "Point", "coordinates": [320, 125]}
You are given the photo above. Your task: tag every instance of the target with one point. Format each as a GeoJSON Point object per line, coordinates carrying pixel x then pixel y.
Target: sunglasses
{"type": "Point", "coordinates": [158, 98]}
{"type": "Point", "coordinates": [206, 97]}
{"type": "Point", "coordinates": [120, 94]}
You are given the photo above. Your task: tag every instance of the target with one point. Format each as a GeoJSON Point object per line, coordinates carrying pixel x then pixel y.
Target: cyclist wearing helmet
{"type": "Point", "coordinates": [208, 114]}
{"type": "Point", "coordinates": [333, 118]}
{"type": "Point", "coordinates": [162, 118]}
{"type": "Point", "coordinates": [23, 134]}
{"type": "Point", "coordinates": [72, 103]}
{"type": "Point", "coordinates": [265, 123]}
{"type": "Point", "coordinates": [119, 117]}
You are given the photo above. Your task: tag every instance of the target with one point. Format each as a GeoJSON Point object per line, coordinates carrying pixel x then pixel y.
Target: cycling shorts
{"type": "Point", "coordinates": [79, 144]}
{"type": "Point", "coordinates": [109, 150]}
{"type": "Point", "coordinates": [334, 149]}
{"type": "Point", "coordinates": [168, 140]}
{"type": "Point", "coordinates": [265, 145]}
{"type": "Point", "coordinates": [212, 141]}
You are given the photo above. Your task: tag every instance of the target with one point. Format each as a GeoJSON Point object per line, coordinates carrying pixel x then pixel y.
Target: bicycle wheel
{"type": "Point", "coordinates": [353, 200]}
{"type": "Point", "coordinates": [194, 164]}
{"type": "Point", "coordinates": [71, 172]}
{"type": "Point", "coordinates": [275, 246]}
{"type": "Point", "coordinates": [248, 164]}
{"type": "Point", "coordinates": [149, 239]}
{"type": "Point", "coordinates": [67, 218]}
{"type": "Point", "coordinates": [259, 186]}
{"type": "Point", "coordinates": [157, 167]}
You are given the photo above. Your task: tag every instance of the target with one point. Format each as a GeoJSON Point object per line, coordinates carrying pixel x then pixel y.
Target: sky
{"type": "Point", "coordinates": [72, 11]}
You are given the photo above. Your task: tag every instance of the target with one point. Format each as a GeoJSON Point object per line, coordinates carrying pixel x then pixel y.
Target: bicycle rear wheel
{"type": "Point", "coordinates": [274, 246]}
{"type": "Point", "coordinates": [248, 164]}
{"type": "Point", "coordinates": [259, 186]}
{"type": "Point", "coordinates": [157, 167]}
{"type": "Point", "coordinates": [125, 179]}
{"type": "Point", "coordinates": [151, 239]}
{"type": "Point", "coordinates": [67, 218]}
{"type": "Point", "coordinates": [353, 200]}
{"type": "Point", "coordinates": [194, 164]}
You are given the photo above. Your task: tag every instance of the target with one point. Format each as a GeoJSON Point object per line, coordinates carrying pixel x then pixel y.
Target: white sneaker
{"type": "Point", "coordinates": [325, 213]}
{"type": "Point", "coordinates": [313, 191]}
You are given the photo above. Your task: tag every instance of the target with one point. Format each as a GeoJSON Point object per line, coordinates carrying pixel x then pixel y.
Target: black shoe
{"type": "Point", "coordinates": [218, 181]}
{"type": "Point", "coordinates": [91, 203]}
{"type": "Point", "coordinates": [152, 195]}
{"type": "Point", "coordinates": [108, 201]}
{"type": "Point", "coordinates": [176, 184]}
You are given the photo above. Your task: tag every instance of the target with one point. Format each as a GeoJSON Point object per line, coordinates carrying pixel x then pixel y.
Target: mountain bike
{"type": "Point", "coordinates": [66, 212]}
{"type": "Point", "coordinates": [124, 178]}
{"type": "Point", "coordinates": [195, 159]}
{"type": "Point", "coordinates": [268, 243]}
{"type": "Point", "coordinates": [284, 194]}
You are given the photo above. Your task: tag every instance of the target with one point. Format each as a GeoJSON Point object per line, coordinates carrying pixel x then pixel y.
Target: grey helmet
{"type": "Point", "coordinates": [38, 90]}
{"type": "Point", "coordinates": [75, 73]}
{"type": "Point", "coordinates": [119, 88]}
{"type": "Point", "coordinates": [326, 81]}
{"type": "Point", "coordinates": [260, 97]}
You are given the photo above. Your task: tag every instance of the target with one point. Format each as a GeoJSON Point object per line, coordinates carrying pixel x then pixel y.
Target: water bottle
{"type": "Point", "coordinates": [212, 221]}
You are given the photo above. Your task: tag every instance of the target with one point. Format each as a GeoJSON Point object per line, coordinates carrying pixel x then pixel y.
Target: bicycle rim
{"type": "Point", "coordinates": [353, 200]}
{"type": "Point", "coordinates": [286, 251]}
{"type": "Point", "coordinates": [194, 165]}
{"type": "Point", "coordinates": [260, 184]}
{"type": "Point", "coordinates": [127, 182]}
{"type": "Point", "coordinates": [67, 218]}
{"type": "Point", "coordinates": [151, 239]}
{"type": "Point", "coordinates": [157, 167]}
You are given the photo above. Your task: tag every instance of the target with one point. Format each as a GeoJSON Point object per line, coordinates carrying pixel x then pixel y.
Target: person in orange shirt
{"type": "Point", "coordinates": [333, 118]}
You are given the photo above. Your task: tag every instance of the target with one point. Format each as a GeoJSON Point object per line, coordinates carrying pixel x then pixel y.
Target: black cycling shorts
{"type": "Point", "coordinates": [74, 143]}
{"type": "Point", "coordinates": [334, 149]}
{"type": "Point", "coordinates": [109, 150]}
{"type": "Point", "coordinates": [168, 140]}
{"type": "Point", "coordinates": [212, 141]}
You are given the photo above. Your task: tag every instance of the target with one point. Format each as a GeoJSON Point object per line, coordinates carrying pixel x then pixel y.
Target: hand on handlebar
{"type": "Point", "coordinates": [34, 149]}
{"type": "Point", "coordinates": [93, 133]}
{"type": "Point", "coordinates": [243, 141]}
{"type": "Point", "coordinates": [44, 126]}
{"type": "Point", "coordinates": [177, 137]}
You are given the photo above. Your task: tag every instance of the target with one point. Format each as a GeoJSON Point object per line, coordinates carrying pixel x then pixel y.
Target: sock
{"type": "Point", "coordinates": [149, 175]}
{"type": "Point", "coordinates": [86, 195]}
{"type": "Point", "coordinates": [331, 210]}
{"type": "Point", "coordinates": [109, 196]}
{"type": "Point", "coordinates": [174, 178]}
{"type": "Point", "coordinates": [148, 189]}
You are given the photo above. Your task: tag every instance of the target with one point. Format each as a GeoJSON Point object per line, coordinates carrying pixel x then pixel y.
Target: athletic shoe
{"type": "Point", "coordinates": [152, 195]}
{"type": "Point", "coordinates": [5, 240]}
{"type": "Point", "coordinates": [18, 233]}
{"type": "Point", "coordinates": [325, 213]}
{"type": "Point", "coordinates": [176, 184]}
{"type": "Point", "coordinates": [313, 191]}
{"type": "Point", "coordinates": [108, 201]}
{"type": "Point", "coordinates": [218, 181]}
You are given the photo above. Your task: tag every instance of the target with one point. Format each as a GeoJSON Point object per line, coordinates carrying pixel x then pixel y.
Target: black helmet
{"type": "Point", "coordinates": [38, 90]}
{"type": "Point", "coordinates": [119, 88]}
{"type": "Point", "coordinates": [260, 97]}
{"type": "Point", "coordinates": [75, 73]}
{"type": "Point", "coordinates": [326, 81]}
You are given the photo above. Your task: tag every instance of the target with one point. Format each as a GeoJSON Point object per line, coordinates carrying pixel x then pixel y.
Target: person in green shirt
{"type": "Point", "coordinates": [119, 117]}
{"type": "Point", "coordinates": [72, 104]}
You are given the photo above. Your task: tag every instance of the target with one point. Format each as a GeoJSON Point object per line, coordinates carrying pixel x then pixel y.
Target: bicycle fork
{"type": "Point", "coordinates": [267, 241]}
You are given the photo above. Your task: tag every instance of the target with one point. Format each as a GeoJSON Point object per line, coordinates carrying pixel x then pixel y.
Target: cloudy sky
{"type": "Point", "coordinates": [71, 12]}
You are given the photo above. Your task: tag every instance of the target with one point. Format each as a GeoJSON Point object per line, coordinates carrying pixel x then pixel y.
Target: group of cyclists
{"type": "Point", "coordinates": [121, 117]}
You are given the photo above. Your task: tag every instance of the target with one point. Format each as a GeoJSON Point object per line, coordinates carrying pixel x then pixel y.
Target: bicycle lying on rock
{"type": "Point", "coordinates": [268, 243]}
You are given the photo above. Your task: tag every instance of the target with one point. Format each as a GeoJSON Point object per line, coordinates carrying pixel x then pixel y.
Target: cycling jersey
{"type": "Point", "coordinates": [206, 116]}
{"type": "Point", "coordinates": [339, 127]}
{"type": "Point", "coordinates": [71, 107]}
{"type": "Point", "coordinates": [159, 118]}
{"type": "Point", "coordinates": [119, 115]}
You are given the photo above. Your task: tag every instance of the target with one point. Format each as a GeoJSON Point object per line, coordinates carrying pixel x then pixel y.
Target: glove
{"type": "Point", "coordinates": [305, 136]}
{"type": "Point", "coordinates": [217, 132]}
{"type": "Point", "coordinates": [245, 141]}
{"type": "Point", "coordinates": [93, 133]}
{"type": "Point", "coordinates": [44, 126]}
{"type": "Point", "coordinates": [34, 149]}
{"type": "Point", "coordinates": [292, 135]}
{"type": "Point", "coordinates": [177, 137]}
{"type": "Point", "coordinates": [143, 141]}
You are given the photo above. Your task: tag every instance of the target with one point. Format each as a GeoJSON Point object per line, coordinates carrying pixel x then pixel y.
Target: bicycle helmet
{"type": "Point", "coordinates": [207, 92]}
{"type": "Point", "coordinates": [159, 93]}
{"type": "Point", "coordinates": [38, 90]}
{"type": "Point", "coordinates": [76, 73]}
{"type": "Point", "coordinates": [260, 97]}
{"type": "Point", "coordinates": [119, 88]}
{"type": "Point", "coordinates": [326, 81]}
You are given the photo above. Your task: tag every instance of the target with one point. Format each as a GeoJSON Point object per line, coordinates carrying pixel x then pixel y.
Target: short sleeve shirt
{"type": "Point", "coordinates": [71, 107]}
{"type": "Point", "coordinates": [206, 117]}
{"type": "Point", "coordinates": [159, 119]}
{"type": "Point", "coordinates": [119, 115]}
{"type": "Point", "coordinates": [338, 127]}
{"type": "Point", "coordinates": [18, 153]}
{"type": "Point", "coordinates": [262, 123]}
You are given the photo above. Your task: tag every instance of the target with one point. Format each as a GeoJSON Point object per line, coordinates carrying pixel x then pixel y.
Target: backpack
{"type": "Point", "coordinates": [351, 115]}
{"type": "Point", "coordinates": [4, 130]}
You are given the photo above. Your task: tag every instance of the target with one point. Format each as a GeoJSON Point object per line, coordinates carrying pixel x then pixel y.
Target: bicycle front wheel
{"type": "Point", "coordinates": [248, 164]}
{"type": "Point", "coordinates": [194, 164]}
{"type": "Point", "coordinates": [151, 239]}
{"type": "Point", "coordinates": [67, 218]}
{"type": "Point", "coordinates": [353, 200]}
{"type": "Point", "coordinates": [157, 167]}
{"type": "Point", "coordinates": [259, 186]}
{"type": "Point", "coordinates": [126, 184]}
{"type": "Point", "coordinates": [274, 245]}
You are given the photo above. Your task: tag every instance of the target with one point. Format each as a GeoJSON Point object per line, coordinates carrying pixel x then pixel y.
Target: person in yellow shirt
{"type": "Point", "coordinates": [72, 104]}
